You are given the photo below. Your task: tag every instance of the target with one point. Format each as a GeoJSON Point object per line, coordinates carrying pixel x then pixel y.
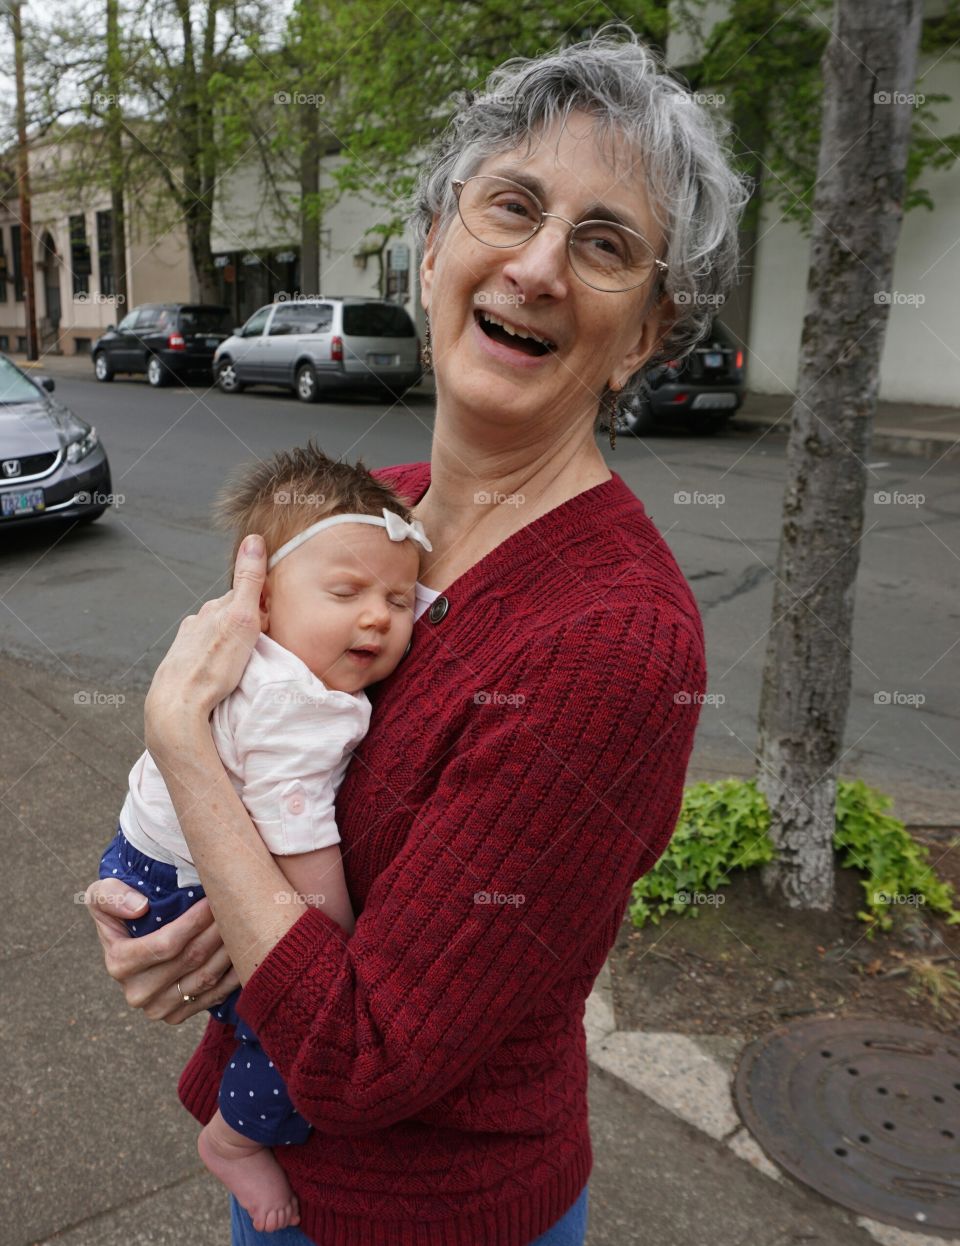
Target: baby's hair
{"type": "Point", "coordinates": [286, 493]}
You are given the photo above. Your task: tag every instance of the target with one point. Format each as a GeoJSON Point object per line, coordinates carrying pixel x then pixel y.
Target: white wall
{"type": "Point", "coordinates": [921, 356]}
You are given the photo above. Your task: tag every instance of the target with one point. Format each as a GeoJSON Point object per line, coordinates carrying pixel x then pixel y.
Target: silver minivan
{"type": "Point", "coordinates": [321, 345]}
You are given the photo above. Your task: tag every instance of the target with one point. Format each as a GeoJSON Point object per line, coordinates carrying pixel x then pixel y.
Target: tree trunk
{"type": "Point", "coordinates": [858, 207]}
{"type": "Point", "coordinates": [115, 157]}
{"type": "Point", "coordinates": [310, 276]}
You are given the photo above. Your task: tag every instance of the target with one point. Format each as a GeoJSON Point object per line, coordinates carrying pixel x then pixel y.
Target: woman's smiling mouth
{"type": "Point", "coordinates": [511, 336]}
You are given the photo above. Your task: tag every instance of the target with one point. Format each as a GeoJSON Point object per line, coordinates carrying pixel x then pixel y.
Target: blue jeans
{"type": "Point", "coordinates": [569, 1230]}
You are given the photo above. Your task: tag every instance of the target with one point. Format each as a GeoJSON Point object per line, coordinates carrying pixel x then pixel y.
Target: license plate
{"type": "Point", "coordinates": [213, 341]}
{"type": "Point", "coordinates": [383, 361]}
{"type": "Point", "coordinates": [714, 402]}
{"type": "Point", "coordinates": [713, 360]}
{"type": "Point", "coordinates": [22, 503]}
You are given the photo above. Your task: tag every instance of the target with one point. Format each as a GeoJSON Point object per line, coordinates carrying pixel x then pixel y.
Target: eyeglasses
{"type": "Point", "coordinates": [606, 256]}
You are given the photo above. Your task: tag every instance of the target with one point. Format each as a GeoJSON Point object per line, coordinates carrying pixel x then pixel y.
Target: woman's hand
{"type": "Point", "coordinates": [208, 655]}
{"type": "Point", "coordinates": [188, 949]}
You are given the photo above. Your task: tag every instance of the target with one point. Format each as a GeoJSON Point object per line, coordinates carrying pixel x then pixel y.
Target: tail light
{"type": "Point", "coordinates": [739, 358]}
{"type": "Point", "coordinates": [336, 349]}
{"type": "Point", "coordinates": [175, 342]}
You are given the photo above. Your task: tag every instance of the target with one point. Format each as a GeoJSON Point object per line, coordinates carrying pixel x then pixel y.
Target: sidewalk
{"type": "Point", "coordinates": [97, 1148]}
{"type": "Point", "coordinates": [899, 428]}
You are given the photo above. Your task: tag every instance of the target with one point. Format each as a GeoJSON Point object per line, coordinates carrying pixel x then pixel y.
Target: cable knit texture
{"type": "Point", "coordinates": [524, 765]}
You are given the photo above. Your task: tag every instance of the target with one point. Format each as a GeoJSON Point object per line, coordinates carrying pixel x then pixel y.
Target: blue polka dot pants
{"type": "Point", "coordinates": [253, 1098]}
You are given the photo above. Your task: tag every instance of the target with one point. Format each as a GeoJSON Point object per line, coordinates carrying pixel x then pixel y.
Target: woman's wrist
{"type": "Point", "coordinates": [173, 732]}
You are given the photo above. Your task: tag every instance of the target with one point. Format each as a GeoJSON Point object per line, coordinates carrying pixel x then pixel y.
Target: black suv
{"type": "Point", "coordinates": [167, 341]}
{"type": "Point", "coordinates": [703, 391]}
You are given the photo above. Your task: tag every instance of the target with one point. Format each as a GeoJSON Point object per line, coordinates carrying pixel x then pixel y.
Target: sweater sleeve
{"type": "Point", "coordinates": [567, 788]}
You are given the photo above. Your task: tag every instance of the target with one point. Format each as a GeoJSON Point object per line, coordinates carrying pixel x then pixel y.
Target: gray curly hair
{"type": "Point", "coordinates": [696, 195]}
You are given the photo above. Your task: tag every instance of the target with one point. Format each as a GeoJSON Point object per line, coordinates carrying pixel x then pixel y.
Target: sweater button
{"type": "Point", "coordinates": [438, 609]}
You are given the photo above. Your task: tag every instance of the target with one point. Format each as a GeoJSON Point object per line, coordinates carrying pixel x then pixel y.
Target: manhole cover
{"type": "Point", "coordinates": [865, 1111]}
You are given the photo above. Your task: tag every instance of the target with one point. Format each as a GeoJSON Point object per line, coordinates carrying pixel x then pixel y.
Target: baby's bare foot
{"type": "Point", "coordinates": [251, 1174]}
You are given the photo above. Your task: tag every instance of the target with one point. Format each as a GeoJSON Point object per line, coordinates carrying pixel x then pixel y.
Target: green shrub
{"type": "Point", "coordinates": [724, 826]}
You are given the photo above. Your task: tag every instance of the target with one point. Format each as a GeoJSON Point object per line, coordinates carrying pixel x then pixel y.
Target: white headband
{"type": "Point", "coordinates": [397, 530]}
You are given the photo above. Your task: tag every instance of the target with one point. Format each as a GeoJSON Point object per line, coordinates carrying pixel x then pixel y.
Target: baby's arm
{"type": "Point", "coordinates": [318, 879]}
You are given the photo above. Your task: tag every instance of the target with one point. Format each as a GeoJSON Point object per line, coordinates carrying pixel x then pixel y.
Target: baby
{"type": "Point", "coordinates": [336, 615]}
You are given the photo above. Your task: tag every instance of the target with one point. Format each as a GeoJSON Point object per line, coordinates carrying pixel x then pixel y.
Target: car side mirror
{"type": "Point", "coordinates": [110, 328]}
{"type": "Point", "coordinates": [48, 383]}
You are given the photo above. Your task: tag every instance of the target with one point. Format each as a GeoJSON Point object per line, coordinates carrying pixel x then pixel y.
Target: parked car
{"type": "Point", "coordinates": [52, 464]}
{"type": "Point", "coordinates": [167, 341]}
{"type": "Point", "coordinates": [322, 345]}
{"type": "Point", "coordinates": [702, 391]}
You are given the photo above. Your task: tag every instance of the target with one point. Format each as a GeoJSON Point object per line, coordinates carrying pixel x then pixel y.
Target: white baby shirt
{"type": "Point", "coordinates": [285, 740]}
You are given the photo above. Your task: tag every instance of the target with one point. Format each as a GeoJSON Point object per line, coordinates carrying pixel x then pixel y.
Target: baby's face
{"type": "Point", "coordinates": [348, 587]}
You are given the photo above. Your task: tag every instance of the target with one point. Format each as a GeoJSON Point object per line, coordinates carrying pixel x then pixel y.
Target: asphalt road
{"type": "Point", "coordinates": [100, 604]}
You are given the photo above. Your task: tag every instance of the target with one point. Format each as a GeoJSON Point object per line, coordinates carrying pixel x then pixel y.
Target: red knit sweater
{"type": "Point", "coordinates": [531, 749]}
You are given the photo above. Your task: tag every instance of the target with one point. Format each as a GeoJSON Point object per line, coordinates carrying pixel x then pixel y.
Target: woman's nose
{"type": "Point", "coordinates": [541, 265]}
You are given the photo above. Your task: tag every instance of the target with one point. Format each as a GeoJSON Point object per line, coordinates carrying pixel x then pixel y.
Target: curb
{"type": "Point", "coordinates": [693, 1079]}
{"type": "Point", "coordinates": [913, 444]}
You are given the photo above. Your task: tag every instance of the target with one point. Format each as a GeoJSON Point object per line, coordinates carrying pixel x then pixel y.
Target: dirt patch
{"type": "Point", "coordinates": [744, 966]}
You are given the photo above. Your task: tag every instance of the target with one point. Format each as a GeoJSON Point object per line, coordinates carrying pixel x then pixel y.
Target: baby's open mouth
{"type": "Point", "coordinates": [519, 339]}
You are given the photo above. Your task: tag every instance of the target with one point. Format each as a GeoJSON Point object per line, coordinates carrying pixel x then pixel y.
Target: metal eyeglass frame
{"type": "Point", "coordinates": [458, 185]}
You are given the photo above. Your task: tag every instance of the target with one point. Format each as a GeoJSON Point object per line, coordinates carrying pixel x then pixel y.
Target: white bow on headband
{"type": "Point", "coordinates": [397, 530]}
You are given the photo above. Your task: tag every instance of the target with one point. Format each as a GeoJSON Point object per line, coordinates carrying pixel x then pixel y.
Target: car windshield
{"type": "Point", "coordinates": [14, 386]}
{"type": "Point", "coordinates": [376, 320]}
{"type": "Point", "coordinates": [205, 320]}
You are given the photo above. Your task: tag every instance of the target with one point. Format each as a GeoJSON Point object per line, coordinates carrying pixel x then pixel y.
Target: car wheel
{"type": "Point", "coordinates": [101, 367]}
{"type": "Point", "coordinates": [227, 380]}
{"type": "Point", "coordinates": [635, 416]}
{"type": "Point", "coordinates": [157, 374]}
{"type": "Point", "coordinates": [307, 388]}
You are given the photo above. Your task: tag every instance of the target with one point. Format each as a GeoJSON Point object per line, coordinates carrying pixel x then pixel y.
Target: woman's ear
{"type": "Point", "coordinates": [427, 263]}
{"type": "Point", "coordinates": [265, 608]}
{"type": "Point", "coordinates": [657, 322]}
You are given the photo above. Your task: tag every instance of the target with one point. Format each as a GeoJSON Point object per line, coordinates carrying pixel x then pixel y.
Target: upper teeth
{"type": "Point", "coordinates": [517, 332]}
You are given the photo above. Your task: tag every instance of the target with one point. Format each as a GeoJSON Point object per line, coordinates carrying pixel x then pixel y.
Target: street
{"type": "Point", "coordinates": [98, 605]}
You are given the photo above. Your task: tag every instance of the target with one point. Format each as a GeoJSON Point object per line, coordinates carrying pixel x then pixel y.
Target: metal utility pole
{"type": "Point", "coordinates": [23, 186]}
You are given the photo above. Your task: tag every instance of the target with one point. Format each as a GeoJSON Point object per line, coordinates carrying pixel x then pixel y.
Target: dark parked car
{"type": "Point", "coordinates": [318, 345]}
{"type": "Point", "coordinates": [52, 465]}
{"type": "Point", "coordinates": [167, 341]}
{"type": "Point", "coordinates": [702, 391]}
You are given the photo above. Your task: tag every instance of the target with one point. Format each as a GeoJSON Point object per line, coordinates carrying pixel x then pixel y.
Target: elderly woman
{"type": "Point", "coordinates": [525, 762]}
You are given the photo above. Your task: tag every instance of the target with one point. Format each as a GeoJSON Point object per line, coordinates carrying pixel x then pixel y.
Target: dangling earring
{"type": "Point", "coordinates": [426, 352]}
{"type": "Point", "coordinates": [611, 413]}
